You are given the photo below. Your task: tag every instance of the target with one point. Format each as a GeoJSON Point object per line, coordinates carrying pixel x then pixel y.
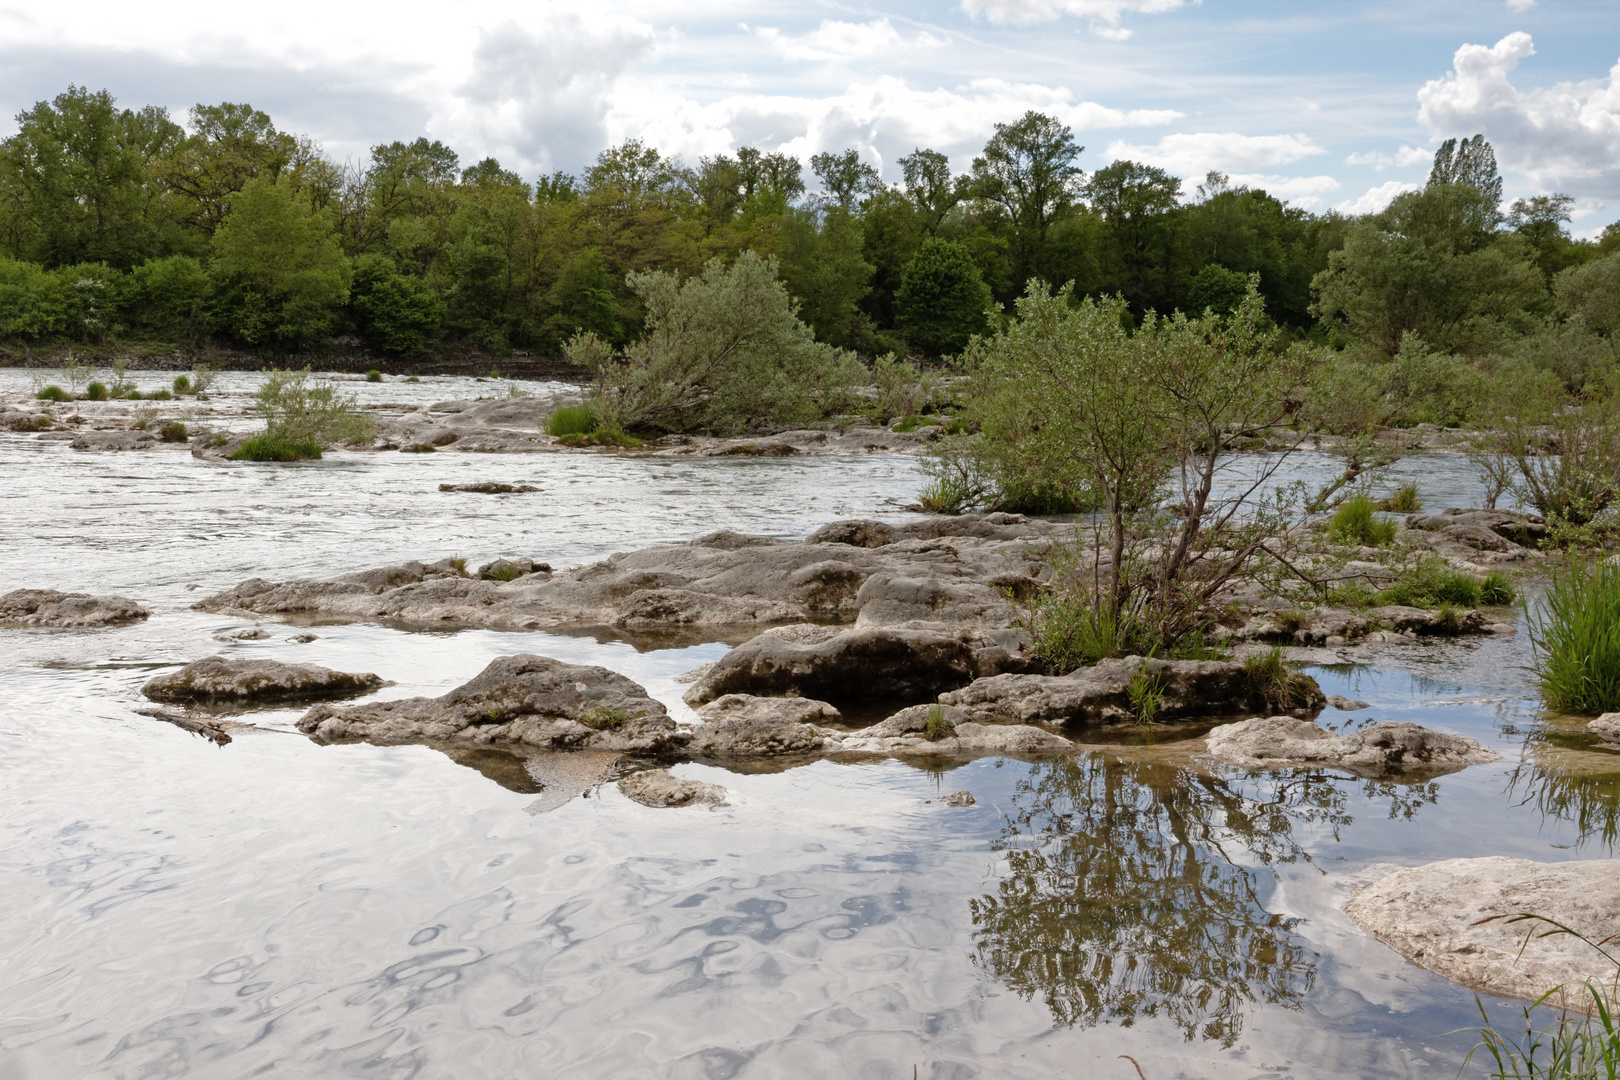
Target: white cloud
{"type": "Point", "coordinates": [1566, 137]}
{"type": "Point", "coordinates": [1404, 157]}
{"type": "Point", "coordinates": [834, 40]}
{"type": "Point", "coordinates": [1303, 191]}
{"type": "Point", "coordinates": [883, 118]}
{"type": "Point", "coordinates": [1106, 13]}
{"type": "Point", "coordinates": [1520, 5]}
{"type": "Point", "coordinates": [1195, 153]}
{"type": "Point", "coordinates": [1376, 198]}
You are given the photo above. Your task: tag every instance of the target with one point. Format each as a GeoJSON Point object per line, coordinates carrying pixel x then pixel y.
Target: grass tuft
{"type": "Point", "coordinates": [1575, 639]}
{"type": "Point", "coordinates": [1272, 678]}
{"type": "Point", "coordinates": [173, 431]}
{"type": "Point", "coordinates": [571, 420]}
{"type": "Point", "coordinates": [1497, 589]}
{"type": "Point", "coordinates": [182, 384]}
{"type": "Point", "coordinates": [272, 446]}
{"type": "Point", "coordinates": [605, 718]}
{"type": "Point", "coordinates": [95, 392]}
{"type": "Point", "coordinates": [1147, 695]}
{"type": "Point", "coordinates": [936, 727]}
{"type": "Point", "coordinates": [53, 393]}
{"type": "Point", "coordinates": [1353, 523]}
{"type": "Point", "coordinates": [1404, 501]}
{"type": "Point", "coordinates": [373, 375]}
{"type": "Point", "coordinates": [1433, 582]}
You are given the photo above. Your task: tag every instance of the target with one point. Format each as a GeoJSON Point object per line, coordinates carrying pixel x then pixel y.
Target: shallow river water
{"type": "Point", "coordinates": [274, 907]}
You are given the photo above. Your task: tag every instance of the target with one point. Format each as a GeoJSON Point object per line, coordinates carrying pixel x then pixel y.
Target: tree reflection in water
{"type": "Point", "coordinates": [1131, 890]}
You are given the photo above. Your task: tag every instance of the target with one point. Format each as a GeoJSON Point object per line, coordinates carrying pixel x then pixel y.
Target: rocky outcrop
{"type": "Point", "coordinates": [1392, 746]}
{"type": "Point", "coordinates": [946, 575]}
{"type": "Point", "coordinates": [1111, 692]}
{"type": "Point", "coordinates": [744, 726]}
{"type": "Point", "coordinates": [658, 788]}
{"type": "Point", "coordinates": [936, 730]}
{"type": "Point", "coordinates": [47, 607]}
{"type": "Point", "coordinates": [1455, 919]}
{"type": "Point", "coordinates": [1482, 530]}
{"type": "Point", "coordinates": [222, 680]}
{"type": "Point", "coordinates": [113, 440]}
{"type": "Point", "coordinates": [490, 487]}
{"type": "Point", "coordinates": [523, 700]}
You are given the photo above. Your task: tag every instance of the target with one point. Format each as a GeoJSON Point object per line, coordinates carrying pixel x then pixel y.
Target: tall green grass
{"type": "Point", "coordinates": [1432, 583]}
{"type": "Point", "coordinates": [272, 446]}
{"type": "Point", "coordinates": [1575, 639]}
{"type": "Point", "coordinates": [571, 420]}
{"type": "Point", "coordinates": [1353, 523]}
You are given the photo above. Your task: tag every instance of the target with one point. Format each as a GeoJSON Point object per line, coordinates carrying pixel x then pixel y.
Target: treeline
{"type": "Point", "coordinates": [119, 224]}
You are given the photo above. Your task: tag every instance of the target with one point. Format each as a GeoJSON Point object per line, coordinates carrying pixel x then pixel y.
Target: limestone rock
{"type": "Point", "coordinates": [1452, 917]}
{"type": "Point", "coordinates": [47, 607]}
{"type": "Point", "coordinates": [220, 679]}
{"type": "Point", "coordinates": [1101, 694]}
{"type": "Point", "coordinates": [957, 798]}
{"type": "Point", "coordinates": [1606, 726]}
{"type": "Point", "coordinates": [1524, 530]}
{"type": "Point", "coordinates": [1392, 746]}
{"type": "Point", "coordinates": [836, 664]}
{"type": "Point", "coordinates": [930, 730]}
{"type": "Point", "coordinates": [490, 487]}
{"type": "Point", "coordinates": [1344, 704]}
{"type": "Point", "coordinates": [658, 788]}
{"type": "Point", "coordinates": [517, 700]}
{"type": "Point", "coordinates": [113, 440]}
{"type": "Point", "coordinates": [741, 725]}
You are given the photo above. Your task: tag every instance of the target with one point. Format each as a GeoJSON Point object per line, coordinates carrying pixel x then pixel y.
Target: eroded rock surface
{"type": "Point", "coordinates": [47, 607]}
{"type": "Point", "coordinates": [945, 575]}
{"type": "Point", "coordinates": [1606, 726]}
{"type": "Point", "coordinates": [1391, 746]}
{"type": "Point", "coordinates": [1103, 693]}
{"type": "Point", "coordinates": [659, 788]}
{"type": "Point", "coordinates": [1452, 917]}
{"type": "Point", "coordinates": [519, 700]}
{"type": "Point", "coordinates": [220, 679]}
{"type": "Point", "coordinates": [946, 731]}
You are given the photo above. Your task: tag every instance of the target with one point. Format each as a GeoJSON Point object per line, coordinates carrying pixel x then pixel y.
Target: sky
{"type": "Point", "coordinates": [1325, 104]}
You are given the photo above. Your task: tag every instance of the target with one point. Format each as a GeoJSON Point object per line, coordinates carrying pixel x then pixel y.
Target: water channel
{"type": "Point", "coordinates": [275, 907]}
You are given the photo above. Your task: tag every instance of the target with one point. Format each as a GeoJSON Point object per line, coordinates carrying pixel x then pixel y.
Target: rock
{"type": "Point", "coordinates": [1453, 918]}
{"type": "Point", "coordinates": [304, 639]}
{"type": "Point", "coordinates": [253, 633]}
{"type": "Point", "coordinates": [941, 730]}
{"type": "Point", "coordinates": [855, 532]}
{"type": "Point", "coordinates": [517, 700]}
{"type": "Point", "coordinates": [1525, 530]}
{"type": "Point", "coordinates": [1101, 694]}
{"type": "Point", "coordinates": [490, 487]}
{"type": "Point", "coordinates": [741, 725]}
{"type": "Point", "coordinates": [47, 607]}
{"type": "Point", "coordinates": [957, 798]}
{"type": "Point", "coordinates": [1344, 704]}
{"type": "Point", "coordinates": [946, 575]}
{"type": "Point", "coordinates": [1606, 726]}
{"type": "Point", "coordinates": [657, 788]}
{"type": "Point", "coordinates": [836, 664]}
{"type": "Point", "coordinates": [512, 569]}
{"type": "Point", "coordinates": [1392, 746]}
{"type": "Point", "coordinates": [113, 440]}
{"type": "Point", "coordinates": [1502, 629]}
{"type": "Point", "coordinates": [218, 679]}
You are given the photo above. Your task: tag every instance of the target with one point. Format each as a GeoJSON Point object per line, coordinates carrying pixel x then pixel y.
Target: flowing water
{"type": "Point", "coordinates": [174, 908]}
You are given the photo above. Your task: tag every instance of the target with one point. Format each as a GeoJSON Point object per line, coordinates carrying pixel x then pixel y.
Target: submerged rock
{"type": "Point", "coordinates": [957, 798]}
{"type": "Point", "coordinates": [1453, 918]}
{"type": "Point", "coordinates": [113, 440]}
{"type": "Point", "coordinates": [658, 788]}
{"type": "Point", "coordinates": [1389, 746]}
{"type": "Point", "coordinates": [1344, 704]}
{"type": "Point", "coordinates": [931, 730]}
{"type": "Point", "coordinates": [524, 699]}
{"type": "Point", "coordinates": [220, 679]}
{"type": "Point", "coordinates": [490, 487]}
{"type": "Point", "coordinates": [47, 607]}
{"type": "Point", "coordinates": [1109, 692]}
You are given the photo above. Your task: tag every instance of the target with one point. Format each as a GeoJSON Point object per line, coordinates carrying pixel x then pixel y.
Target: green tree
{"type": "Point", "coordinates": [396, 313]}
{"type": "Point", "coordinates": [845, 178]}
{"type": "Point", "coordinates": [228, 145]}
{"type": "Point", "coordinates": [280, 278]}
{"type": "Point", "coordinates": [1136, 201]}
{"type": "Point", "coordinates": [1217, 289]}
{"type": "Point", "coordinates": [942, 299]}
{"type": "Point", "coordinates": [1471, 162]}
{"type": "Point", "coordinates": [822, 265]}
{"type": "Point", "coordinates": [929, 187]}
{"type": "Point", "coordinates": [1028, 169]}
{"type": "Point", "coordinates": [582, 300]}
{"type": "Point", "coordinates": [168, 297]}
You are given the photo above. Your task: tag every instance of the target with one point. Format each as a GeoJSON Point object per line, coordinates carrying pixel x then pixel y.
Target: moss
{"type": "Point", "coordinates": [606, 718]}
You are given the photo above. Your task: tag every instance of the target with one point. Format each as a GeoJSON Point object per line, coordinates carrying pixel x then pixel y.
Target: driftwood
{"type": "Point", "coordinates": [196, 725]}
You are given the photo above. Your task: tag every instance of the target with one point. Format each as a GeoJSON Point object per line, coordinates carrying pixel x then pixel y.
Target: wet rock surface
{"type": "Point", "coordinates": [114, 440]}
{"type": "Point", "coordinates": [1452, 917]}
{"type": "Point", "coordinates": [219, 679]}
{"type": "Point", "coordinates": [1103, 694]}
{"type": "Point", "coordinates": [523, 700]}
{"type": "Point", "coordinates": [47, 607]}
{"type": "Point", "coordinates": [944, 575]}
{"type": "Point", "coordinates": [490, 487]}
{"type": "Point", "coordinates": [935, 730]}
{"type": "Point", "coordinates": [1391, 746]}
{"type": "Point", "coordinates": [659, 788]}
{"type": "Point", "coordinates": [1606, 726]}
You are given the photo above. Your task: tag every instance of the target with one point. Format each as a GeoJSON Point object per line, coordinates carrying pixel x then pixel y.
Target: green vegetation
{"type": "Point", "coordinates": [1575, 639]}
{"type": "Point", "coordinates": [1147, 694]}
{"type": "Point", "coordinates": [275, 446]}
{"type": "Point", "coordinates": [53, 393]}
{"type": "Point", "coordinates": [606, 718]}
{"type": "Point", "coordinates": [373, 375]}
{"type": "Point", "coordinates": [1353, 523]}
{"type": "Point", "coordinates": [1404, 501]}
{"type": "Point", "coordinates": [571, 420]}
{"type": "Point", "coordinates": [935, 726]}
{"type": "Point", "coordinates": [173, 431]}
{"type": "Point", "coordinates": [1283, 688]}
{"type": "Point", "coordinates": [95, 391]}
{"type": "Point", "coordinates": [302, 420]}
{"type": "Point", "coordinates": [182, 384]}
{"type": "Point", "coordinates": [1431, 583]}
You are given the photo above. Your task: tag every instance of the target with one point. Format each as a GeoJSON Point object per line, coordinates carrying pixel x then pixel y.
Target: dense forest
{"type": "Point", "coordinates": [122, 225]}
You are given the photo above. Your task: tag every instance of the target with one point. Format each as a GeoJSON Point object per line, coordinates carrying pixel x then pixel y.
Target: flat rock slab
{"type": "Point", "coordinates": [1392, 746]}
{"type": "Point", "coordinates": [946, 731]}
{"type": "Point", "coordinates": [113, 440]}
{"type": "Point", "coordinates": [47, 607]}
{"type": "Point", "coordinates": [522, 700]}
{"type": "Point", "coordinates": [1452, 918]}
{"type": "Point", "coordinates": [658, 788]}
{"type": "Point", "coordinates": [1103, 694]}
{"type": "Point", "coordinates": [225, 680]}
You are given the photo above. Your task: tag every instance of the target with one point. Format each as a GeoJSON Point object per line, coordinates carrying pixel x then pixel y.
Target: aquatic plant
{"type": "Point", "coordinates": [1147, 694]}
{"type": "Point", "coordinates": [173, 431]}
{"type": "Point", "coordinates": [571, 420]}
{"type": "Point", "coordinates": [53, 393]}
{"type": "Point", "coordinates": [95, 391]}
{"type": "Point", "coordinates": [1353, 523]}
{"type": "Point", "coordinates": [373, 375]}
{"type": "Point", "coordinates": [1575, 639]}
{"type": "Point", "coordinates": [1496, 589]}
{"type": "Point", "coordinates": [275, 446]}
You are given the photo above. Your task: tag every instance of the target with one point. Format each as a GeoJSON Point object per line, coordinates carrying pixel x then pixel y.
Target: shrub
{"type": "Point", "coordinates": [95, 392]}
{"type": "Point", "coordinates": [373, 375]}
{"type": "Point", "coordinates": [903, 388]}
{"type": "Point", "coordinates": [1404, 501]}
{"type": "Point", "coordinates": [53, 393]}
{"type": "Point", "coordinates": [274, 446]}
{"type": "Point", "coordinates": [182, 385]}
{"type": "Point", "coordinates": [173, 431]}
{"type": "Point", "coordinates": [942, 298]}
{"type": "Point", "coordinates": [303, 414]}
{"type": "Point", "coordinates": [1575, 639]}
{"type": "Point", "coordinates": [1353, 523]}
{"type": "Point", "coordinates": [571, 420]}
{"type": "Point", "coordinates": [1074, 630]}
{"type": "Point", "coordinates": [1271, 677]}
